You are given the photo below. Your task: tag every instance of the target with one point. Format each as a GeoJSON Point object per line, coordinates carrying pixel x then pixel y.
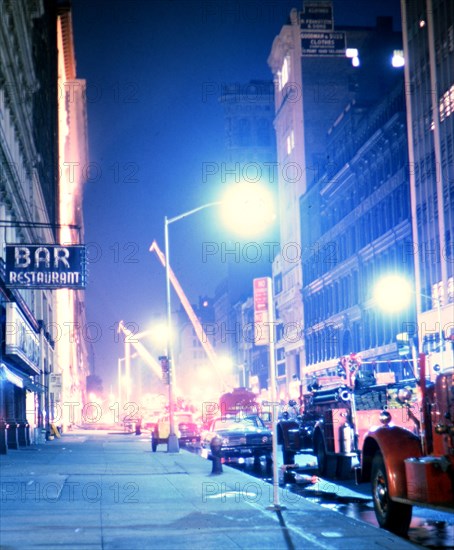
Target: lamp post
{"type": "Point", "coordinates": [250, 209]}
{"type": "Point", "coordinates": [173, 446]}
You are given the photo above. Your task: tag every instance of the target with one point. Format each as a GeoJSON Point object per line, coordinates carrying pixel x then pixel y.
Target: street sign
{"type": "Point", "coordinates": [323, 44]}
{"type": "Point", "coordinates": [261, 311]}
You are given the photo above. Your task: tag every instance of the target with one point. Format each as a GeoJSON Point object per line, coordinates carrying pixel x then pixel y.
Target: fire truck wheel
{"type": "Point", "coordinates": [391, 515]}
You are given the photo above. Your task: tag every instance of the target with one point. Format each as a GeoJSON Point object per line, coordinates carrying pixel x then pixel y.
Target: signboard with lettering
{"type": "Point", "coordinates": [261, 311]}
{"type": "Point", "coordinates": [55, 385]}
{"type": "Point", "coordinates": [317, 16]}
{"type": "Point", "coordinates": [42, 266]}
{"type": "Point", "coordinates": [325, 44]}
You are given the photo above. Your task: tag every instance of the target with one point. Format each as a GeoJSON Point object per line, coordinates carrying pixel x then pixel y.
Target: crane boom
{"type": "Point", "coordinates": [201, 334]}
{"type": "Point", "coordinates": [141, 349]}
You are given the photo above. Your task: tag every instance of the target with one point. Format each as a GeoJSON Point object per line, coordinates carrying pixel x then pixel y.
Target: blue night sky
{"type": "Point", "coordinates": [154, 70]}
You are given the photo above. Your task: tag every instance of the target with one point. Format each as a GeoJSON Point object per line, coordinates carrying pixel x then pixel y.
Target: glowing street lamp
{"type": "Point", "coordinates": [246, 207]}
{"type": "Point", "coordinates": [393, 293]}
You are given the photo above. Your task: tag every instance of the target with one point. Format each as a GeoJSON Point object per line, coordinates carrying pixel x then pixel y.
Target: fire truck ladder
{"type": "Point", "coordinates": [198, 328]}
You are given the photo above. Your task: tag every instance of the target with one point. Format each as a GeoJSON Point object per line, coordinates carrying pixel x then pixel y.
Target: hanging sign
{"type": "Point", "coordinates": [42, 266]}
{"type": "Point", "coordinates": [262, 303]}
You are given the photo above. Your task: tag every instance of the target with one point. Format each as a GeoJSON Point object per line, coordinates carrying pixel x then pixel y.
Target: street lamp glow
{"type": "Point", "coordinates": [248, 208]}
{"type": "Point", "coordinates": [393, 293]}
{"type": "Point", "coordinates": [225, 364]}
{"type": "Point", "coordinates": [160, 334]}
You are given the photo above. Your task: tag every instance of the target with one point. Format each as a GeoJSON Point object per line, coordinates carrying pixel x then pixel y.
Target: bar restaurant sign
{"type": "Point", "coordinates": [41, 266]}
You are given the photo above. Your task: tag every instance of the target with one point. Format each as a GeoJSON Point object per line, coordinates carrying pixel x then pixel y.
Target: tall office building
{"type": "Point", "coordinates": [428, 31]}
{"type": "Point", "coordinates": [250, 157]}
{"type": "Point", "coordinates": [319, 69]}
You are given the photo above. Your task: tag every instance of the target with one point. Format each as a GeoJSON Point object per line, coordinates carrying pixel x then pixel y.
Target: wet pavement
{"type": "Point", "coordinates": [429, 528]}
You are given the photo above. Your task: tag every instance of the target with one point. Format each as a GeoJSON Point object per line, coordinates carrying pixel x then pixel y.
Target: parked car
{"type": "Point", "coordinates": [241, 436]}
{"type": "Point", "coordinates": [186, 429]}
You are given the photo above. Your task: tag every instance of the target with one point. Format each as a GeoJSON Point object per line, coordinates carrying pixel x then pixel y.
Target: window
{"type": "Point", "coordinates": [284, 72]}
{"type": "Point", "coordinates": [290, 142]}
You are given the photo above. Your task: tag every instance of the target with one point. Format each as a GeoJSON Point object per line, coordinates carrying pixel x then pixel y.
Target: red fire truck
{"type": "Point", "coordinates": [408, 467]}
{"type": "Point", "coordinates": [338, 412]}
{"type": "Point", "coordinates": [239, 400]}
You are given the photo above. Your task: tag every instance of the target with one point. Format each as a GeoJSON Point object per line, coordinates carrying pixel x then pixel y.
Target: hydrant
{"type": "Point", "coordinates": [215, 446]}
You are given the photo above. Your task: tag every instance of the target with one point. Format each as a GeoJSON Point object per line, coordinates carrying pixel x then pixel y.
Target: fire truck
{"type": "Point", "coordinates": [239, 400]}
{"type": "Point", "coordinates": [408, 467]}
{"type": "Point", "coordinates": [338, 412]}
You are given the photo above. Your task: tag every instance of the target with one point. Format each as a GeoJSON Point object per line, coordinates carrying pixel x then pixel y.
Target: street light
{"type": "Point", "coordinates": [393, 294]}
{"type": "Point", "coordinates": [173, 446]}
{"type": "Point", "coordinates": [242, 202]}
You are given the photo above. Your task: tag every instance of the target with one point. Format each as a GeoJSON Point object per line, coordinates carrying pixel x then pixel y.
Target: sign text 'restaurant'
{"type": "Point", "coordinates": [45, 266]}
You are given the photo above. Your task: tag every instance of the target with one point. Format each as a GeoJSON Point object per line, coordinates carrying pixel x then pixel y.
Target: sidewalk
{"type": "Point", "coordinates": [91, 490]}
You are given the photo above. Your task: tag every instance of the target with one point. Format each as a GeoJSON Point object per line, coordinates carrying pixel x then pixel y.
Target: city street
{"type": "Point", "coordinates": [101, 490]}
{"type": "Point", "coordinates": [226, 274]}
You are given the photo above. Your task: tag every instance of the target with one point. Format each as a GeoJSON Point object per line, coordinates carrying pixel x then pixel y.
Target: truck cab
{"type": "Point", "coordinates": [408, 468]}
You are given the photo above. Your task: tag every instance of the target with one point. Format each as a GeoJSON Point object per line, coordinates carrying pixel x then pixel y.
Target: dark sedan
{"type": "Point", "coordinates": [242, 437]}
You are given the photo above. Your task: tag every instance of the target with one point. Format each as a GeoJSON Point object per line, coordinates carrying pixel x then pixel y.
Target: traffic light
{"type": "Point", "coordinates": [165, 367]}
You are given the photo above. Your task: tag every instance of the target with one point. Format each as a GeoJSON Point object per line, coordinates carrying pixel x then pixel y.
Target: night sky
{"type": "Point", "coordinates": [154, 71]}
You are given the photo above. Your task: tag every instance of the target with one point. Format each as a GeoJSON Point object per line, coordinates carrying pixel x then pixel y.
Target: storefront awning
{"type": "Point", "coordinates": [6, 373]}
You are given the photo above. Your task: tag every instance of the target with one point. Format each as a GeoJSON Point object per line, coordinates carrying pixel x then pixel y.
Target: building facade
{"type": "Point", "coordinates": [33, 209]}
{"type": "Point", "coordinates": [72, 345]}
{"type": "Point", "coordinates": [356, 225]}
{"type": "Point", "coordinates": [312, 90]}
{"type": "Point", "coordinates": [250, 156]}
{"type": "Point", "coordinates": [196, 377]}
{"type": "Point", "coordinates": [28, 210]}
{"type": "Point", "coordinates": [428, 31]}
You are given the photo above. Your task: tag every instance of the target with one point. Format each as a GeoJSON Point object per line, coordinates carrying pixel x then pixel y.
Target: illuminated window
{"type": "Point", "coordinates": [446, 105]}
{"type": "Point", "coordinates": [398, 58]}
{"type": "Point", "coordinates": [284, 72]}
